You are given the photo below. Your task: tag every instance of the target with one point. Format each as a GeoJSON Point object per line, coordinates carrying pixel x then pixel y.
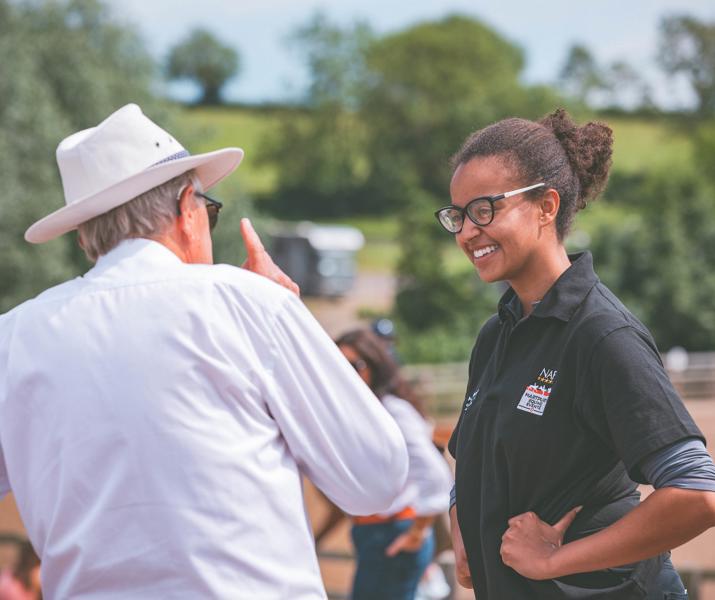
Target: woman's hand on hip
{"type": "Point", "coordinates": [529, 543]}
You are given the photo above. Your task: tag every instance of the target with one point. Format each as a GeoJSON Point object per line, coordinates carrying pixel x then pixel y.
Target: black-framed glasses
{"type": "Point", "coordinates": [213, 207]}
{"type": "Point", "coordinates": [480, 210]}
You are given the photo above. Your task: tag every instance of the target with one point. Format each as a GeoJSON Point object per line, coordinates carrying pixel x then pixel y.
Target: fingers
{"type": "Point", "coordinates": [518, 518]}
{"type": "Point", "coordinates": [464, 579]}
{"type": "Point", "coordinates": [397, 544]}
{"type": "Point", "coordinates": [566, 520]}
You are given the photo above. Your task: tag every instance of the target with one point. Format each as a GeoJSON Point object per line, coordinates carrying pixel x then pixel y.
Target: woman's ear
{"type": "Point", "coordinates": [549, 206]}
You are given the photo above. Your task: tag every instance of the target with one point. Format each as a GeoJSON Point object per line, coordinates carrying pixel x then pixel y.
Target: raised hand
{"type": "Point", "coordinates": [529, 543]}
{"type": "Point", "coordinates": [260, 262]}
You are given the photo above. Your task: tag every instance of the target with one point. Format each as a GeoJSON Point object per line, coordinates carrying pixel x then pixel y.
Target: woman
{"type": "Point", "coordinates": [394, 549]}
{"type": "Point", "coordinates": [567, 402]}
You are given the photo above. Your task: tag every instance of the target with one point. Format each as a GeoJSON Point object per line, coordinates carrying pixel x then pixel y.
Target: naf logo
{"type": "Point", "coordinates": [469, 401]}
{"type": "Point", "coordinates": [547, 376]}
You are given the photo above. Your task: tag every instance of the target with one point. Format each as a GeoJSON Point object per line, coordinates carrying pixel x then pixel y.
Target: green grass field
{"type": "Point", "coordinates": [639, 145]}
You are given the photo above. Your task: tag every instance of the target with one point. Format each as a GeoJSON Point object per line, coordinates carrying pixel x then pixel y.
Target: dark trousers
{"type": "Point", "coordinates": [380, 577]}
{"type": "Point", "coordinates": [668, 585]}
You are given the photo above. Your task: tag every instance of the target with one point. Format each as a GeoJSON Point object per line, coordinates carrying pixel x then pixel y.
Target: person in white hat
{"type": "Point", "coordinates": [158, 413]}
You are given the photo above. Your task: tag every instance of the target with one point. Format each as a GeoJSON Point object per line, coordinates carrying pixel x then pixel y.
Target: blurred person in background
{"type": "Point", "coordinates": [23, 581]}
{"type": "Point", "coordinates": [158, 413]}
{"type": "Point", "coordinates": [568, 404]}
{"type": "Point", "coordinates": [395, 546]}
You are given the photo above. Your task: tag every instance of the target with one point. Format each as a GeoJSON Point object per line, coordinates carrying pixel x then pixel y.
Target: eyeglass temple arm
{"type": "Point", "coordinates": [521, 190]}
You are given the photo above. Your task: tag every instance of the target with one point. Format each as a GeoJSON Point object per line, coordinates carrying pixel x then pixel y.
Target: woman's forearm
{"type": "Point", "coordinates": [668, 518]}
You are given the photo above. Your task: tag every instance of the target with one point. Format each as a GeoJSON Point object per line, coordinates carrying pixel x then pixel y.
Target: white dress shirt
{"type": "Point", "coordinates": [155, 418]}
{"type": "Point", "coordinates": [429, 478]}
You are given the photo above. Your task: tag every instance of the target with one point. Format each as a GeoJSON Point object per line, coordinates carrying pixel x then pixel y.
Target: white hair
{"type": "Point", "coordinates": [148, 215]}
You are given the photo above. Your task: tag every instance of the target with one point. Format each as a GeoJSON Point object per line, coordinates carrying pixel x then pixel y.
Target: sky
{"type": "Point", "coordinates": [272, 71]}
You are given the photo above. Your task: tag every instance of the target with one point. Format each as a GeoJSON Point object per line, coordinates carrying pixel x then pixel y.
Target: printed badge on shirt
{"type": "Point", "coordinates": [536, 396]}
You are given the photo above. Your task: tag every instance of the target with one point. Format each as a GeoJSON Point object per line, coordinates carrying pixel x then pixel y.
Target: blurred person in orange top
{"type": "Point", "coordinates": [394, 547]}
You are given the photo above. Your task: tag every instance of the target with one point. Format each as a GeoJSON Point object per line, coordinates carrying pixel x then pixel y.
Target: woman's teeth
{"type": "Point", "coordinates": [484, 251]}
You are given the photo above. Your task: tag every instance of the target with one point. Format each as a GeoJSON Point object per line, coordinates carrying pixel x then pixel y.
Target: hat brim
{"type": "Point", "coordinates": [210, 168]}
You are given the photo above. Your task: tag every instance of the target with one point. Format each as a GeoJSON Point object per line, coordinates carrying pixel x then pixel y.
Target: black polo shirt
{"type": "Point", "coordinates": [561, 408]}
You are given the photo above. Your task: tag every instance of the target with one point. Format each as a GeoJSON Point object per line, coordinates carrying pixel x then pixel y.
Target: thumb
{"type": "Point", "coordinates": [250, 238]}
{"type": "Point", "coordinates": [566, 521]}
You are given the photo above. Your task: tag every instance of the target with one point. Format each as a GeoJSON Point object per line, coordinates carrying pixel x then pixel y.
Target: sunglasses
{"type": "Point", "coordinates": [212, 208]}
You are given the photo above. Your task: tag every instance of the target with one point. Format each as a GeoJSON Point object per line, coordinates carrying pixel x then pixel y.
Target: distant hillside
{"type": "Point", "coordinates": [640, 144]}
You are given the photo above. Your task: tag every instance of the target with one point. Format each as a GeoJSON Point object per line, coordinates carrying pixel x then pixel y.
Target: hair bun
{"type": "Point", "coordinates": [588, 149]}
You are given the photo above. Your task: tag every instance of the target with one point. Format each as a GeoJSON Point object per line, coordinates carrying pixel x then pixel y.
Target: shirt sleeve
{"type": "Point", "coordinates": [629, 401]}
{"type": "Point", "coordinates": [428, 472]}
{"type": "Point", "coordinates": [337, 430]}
{"type": "Point", "coordinates": [685, 464]}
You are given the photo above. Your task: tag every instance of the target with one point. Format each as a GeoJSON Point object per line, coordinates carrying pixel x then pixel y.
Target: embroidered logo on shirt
{"type": "Point", "coordinates": [470, 400]}
{"type": "Point", "coordinates": [536, 395]}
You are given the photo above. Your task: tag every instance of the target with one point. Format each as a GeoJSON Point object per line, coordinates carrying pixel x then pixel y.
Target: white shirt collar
{"type": "Point", "coordinates": [142, 249]}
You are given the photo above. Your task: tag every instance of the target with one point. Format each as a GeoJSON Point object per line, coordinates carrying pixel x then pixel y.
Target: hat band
{"type": "Point", "coordinates": [182, 154]}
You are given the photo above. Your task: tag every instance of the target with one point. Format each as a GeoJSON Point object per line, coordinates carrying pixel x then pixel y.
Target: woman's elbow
{"type": "Point", "coordinates": [709, 500]}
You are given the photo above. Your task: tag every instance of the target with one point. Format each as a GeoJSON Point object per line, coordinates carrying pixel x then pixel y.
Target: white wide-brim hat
{"type": "Point", "coordinates": [124, 156]}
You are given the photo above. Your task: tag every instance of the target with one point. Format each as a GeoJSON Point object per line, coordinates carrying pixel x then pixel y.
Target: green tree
{"type": "Point", "coordinates": [430, 86]}
{"type": "Point", "coordinates": [205, 60]}
{"type": "Point", "coordinates": [66, 65]}
{"type": "Point", "coordinates": [659, 257]}
{"type": "Point", "coordinates": [687, 48]}
{"type": "Point", "coordinates": [580, 75]}
{"type": "Point", "coordinates": [384, 115]}
{"type": "Point", "coordinates": [321, 150]}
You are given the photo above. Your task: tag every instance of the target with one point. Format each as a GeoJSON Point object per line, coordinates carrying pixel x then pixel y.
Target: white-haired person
{"type": "Point", "coordinates": [157, 414]}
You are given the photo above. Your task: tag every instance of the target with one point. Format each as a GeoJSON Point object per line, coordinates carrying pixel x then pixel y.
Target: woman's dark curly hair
{"type": "Point", "coordinates": [384, 371]}
{"type": "Point", "coordinates": [572, 160]}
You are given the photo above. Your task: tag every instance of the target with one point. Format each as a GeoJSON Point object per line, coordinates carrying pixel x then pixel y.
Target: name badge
{"type": "Point", "coordinates": [535, 399]}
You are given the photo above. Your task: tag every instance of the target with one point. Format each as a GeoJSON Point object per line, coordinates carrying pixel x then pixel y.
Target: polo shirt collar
{"type": "Point", "coordinates": [563, 298]}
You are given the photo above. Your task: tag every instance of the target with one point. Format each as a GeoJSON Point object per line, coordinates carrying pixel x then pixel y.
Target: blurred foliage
{"type": "Point", "coordinates": [614, 86]}
{"type": "Point", "coordinates": [322, 152]}
{"type": "Point", "coordinates": [687, 48]}
{"type": "Point", "coordinates": [580, 75]}
{"type": "Point", "coordinates": [378, 128]}
{"type": "Point", "coordinates": [203, 59]}
{"type": "Point", "coordinates": [66, 65]}
{"type": "Point", "coordinates": [385, 115]}
{"type": "Point", "coordinates": [659, 257]}
{"type": "Point", "coordinates": [370, 143]}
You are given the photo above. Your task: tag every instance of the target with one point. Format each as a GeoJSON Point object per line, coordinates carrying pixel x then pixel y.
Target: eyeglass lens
{"type": "Point", "coordinates": [480, 211]}
{"type": "Point", "coordinates": [212, 211]}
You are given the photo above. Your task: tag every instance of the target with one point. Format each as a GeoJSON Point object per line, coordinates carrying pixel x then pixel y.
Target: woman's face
{"type": "Point", "coordinates": [357, 362]}
{"type": "Point", "coordinates": [507, 248]}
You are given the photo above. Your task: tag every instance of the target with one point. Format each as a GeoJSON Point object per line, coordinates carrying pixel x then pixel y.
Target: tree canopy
{"type": "Point", "coordinates": [66, 65]}
{"type": "Point", "coordinates": [687, 48]}
{"type": "Point", "coordinates": [202, 58]}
